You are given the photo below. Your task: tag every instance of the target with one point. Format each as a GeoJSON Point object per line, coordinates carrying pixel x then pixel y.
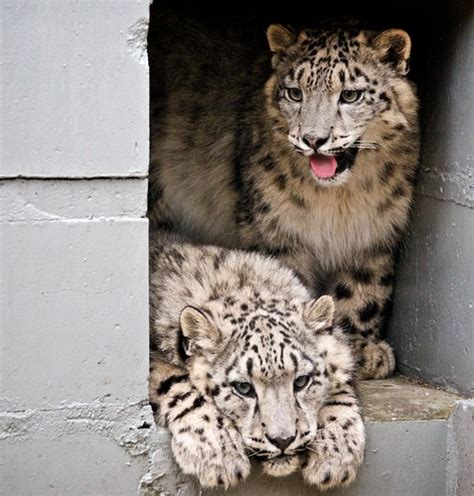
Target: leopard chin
{"type": "Point", "coordinates": [282, 466]}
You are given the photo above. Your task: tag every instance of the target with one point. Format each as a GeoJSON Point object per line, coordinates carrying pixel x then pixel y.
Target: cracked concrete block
{"type": "Point", "coordinates": [77, 449]}
{"type": "Point", "coordinates": [74, 311]}
{"type": "Point", "coordinates": [75, 102]}
{"type": "Point", "coordinates": [94, 466]}
{"type": "Point", "coordinates": [88, 449]}
{"type": "Point", "coordinates": [36, 200]}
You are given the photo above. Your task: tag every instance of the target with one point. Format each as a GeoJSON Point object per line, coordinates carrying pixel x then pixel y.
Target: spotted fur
{"type": "Point", "coordinates": [231, 151]}
{"type": "Point", "coordinates": [245, 364]}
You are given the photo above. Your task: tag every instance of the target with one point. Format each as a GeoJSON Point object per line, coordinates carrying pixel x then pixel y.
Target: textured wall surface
{"type": "Point", "coordinates": [76, 87]}
{"type": "Point", "coordinates": [74, 415]}
{"type": "Point", "coordinates": [432, 324]}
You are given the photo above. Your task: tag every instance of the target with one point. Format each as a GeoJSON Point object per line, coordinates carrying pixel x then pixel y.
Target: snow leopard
{"type": "Point", "coordinates": [306, 151]}
{"type": "Point", "coordinates": [246, 364]}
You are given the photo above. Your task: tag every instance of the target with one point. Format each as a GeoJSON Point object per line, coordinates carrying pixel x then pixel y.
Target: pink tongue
{"type": "Point", "coordinates": [323, 166]}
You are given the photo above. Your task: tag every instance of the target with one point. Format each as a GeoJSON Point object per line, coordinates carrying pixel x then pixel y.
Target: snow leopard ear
{"type": "Point", "coordinates": [199, 332]}
{"type": "Point", "coordinates": [280, 38]}
{"type": "Point", "coordinates": [319, 314]}
{"type": "Point", "coordinates": [394, 47]}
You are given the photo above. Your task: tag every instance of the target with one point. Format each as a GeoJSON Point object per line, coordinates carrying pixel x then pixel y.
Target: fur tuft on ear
{"type": "Point", "coordinates": [199, 331]}
{"type": "Point", "coordinates": [319, 314]}
{"type": "Point", "coordinates": [394, 47]}
{"type": "Point", "coordinates": [280, 38]}
{"type": "Point", "coordinates": [302, 36]}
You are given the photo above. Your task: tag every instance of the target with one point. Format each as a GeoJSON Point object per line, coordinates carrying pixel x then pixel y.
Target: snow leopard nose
{"type": "Point", "coordinates": [314, 141]}
{"type": "Point", "coordinates": [281, 442]}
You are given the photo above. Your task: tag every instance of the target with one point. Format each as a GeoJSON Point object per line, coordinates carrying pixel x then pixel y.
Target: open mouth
{"type": "Point", "coordinates": [328, 167]}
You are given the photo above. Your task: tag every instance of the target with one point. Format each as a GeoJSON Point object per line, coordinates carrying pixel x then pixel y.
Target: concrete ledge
{"type": "Point", "coordinates": [407, 444]}
{"type": "Point", "coordinates": [88, 449]}
{"type": "Point", "coordinates": [461, 450]}
{"type": "Point", "coordinates": [402, 459]}
{"type": "Point", "coordinates": [399, 399]}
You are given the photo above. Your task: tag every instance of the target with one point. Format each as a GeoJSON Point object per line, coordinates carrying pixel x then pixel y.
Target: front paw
{"type": "Point", "coordinates": [332, 471]}
{"type": "Point", "coordinates": [216, 456]}
{"type": "Point", "coordinates": [281, 466]}
{"type": "Point", "coordinates": [377, 360]}
{"type": "Point", "coordinates": [335, 456]}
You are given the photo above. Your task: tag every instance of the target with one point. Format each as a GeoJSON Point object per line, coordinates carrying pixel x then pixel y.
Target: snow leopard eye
{"type": "Point", "coordinates": [244, 389]}
{"type": "Point", "coordinates": [294, 94]}
{"type": "Point", "coordinates": [301, 382]}
{"type": "Point", "coordinates": [351, 96]}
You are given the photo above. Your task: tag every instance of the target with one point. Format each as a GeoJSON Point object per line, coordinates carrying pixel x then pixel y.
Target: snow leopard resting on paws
{"type": "Point", "coordinates": [307, 151]}
{"type": "Point", "coordinates": [245, 364]}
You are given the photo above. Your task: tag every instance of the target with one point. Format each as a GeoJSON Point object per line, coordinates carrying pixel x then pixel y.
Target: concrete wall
{"type": "Point", "coordinates": [432, 325]}
{"type": "Point", "coordinates": [75, 86]}
{"type": "Point", "coordinates": [74, 414]}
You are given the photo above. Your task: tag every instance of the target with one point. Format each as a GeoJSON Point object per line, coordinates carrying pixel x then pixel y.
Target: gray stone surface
{"type": "Point", "coordinates": [94, 449]}
{"type": "Point", "coordinates": [399, 399]}
{"type": "Point", "coordinates": [74, 418]}
{"type": "Point", "coordinates": [461, 450]}
{"type": "Point", "coordinates": [448, 108]}
{"type": "Point", "coordinates": [433, 317]}
{"type": "Point", "coordinates": [74, 450]}
{"type": "Point", "coordinates": [74, 311]}
{"type": "Point", "coordinates": [402, 459]}
{"type": "Point", "coordinates": [56, 199]}
{"type": "Point", "coordinates": [432, 326]}
{"type": "Point", "coordinates": [74, 88]}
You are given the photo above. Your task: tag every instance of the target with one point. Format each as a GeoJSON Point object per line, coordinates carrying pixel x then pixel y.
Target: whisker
{"type": "Point", "coordinates": [242, 457]}
{"type": "Point", "coordinates": [227, 443]}
{"type": "Point", "coordinates": [370, 145]}
{"type": "Point", "coordinates": [309, 448]}
{"type": "Point", "coordinates": [365, 147]}
{"type": "Point", "coordinates": [334, 422]}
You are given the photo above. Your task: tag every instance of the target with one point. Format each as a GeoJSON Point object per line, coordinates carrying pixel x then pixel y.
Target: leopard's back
{"type": "Point", "coordinates": [203, 85]}
{"type": "Point", "coordinates": [218, 279]}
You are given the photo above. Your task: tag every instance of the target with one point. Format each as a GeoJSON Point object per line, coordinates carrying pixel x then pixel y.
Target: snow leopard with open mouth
{"type": "Point", "coordinates": [307, 152]}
